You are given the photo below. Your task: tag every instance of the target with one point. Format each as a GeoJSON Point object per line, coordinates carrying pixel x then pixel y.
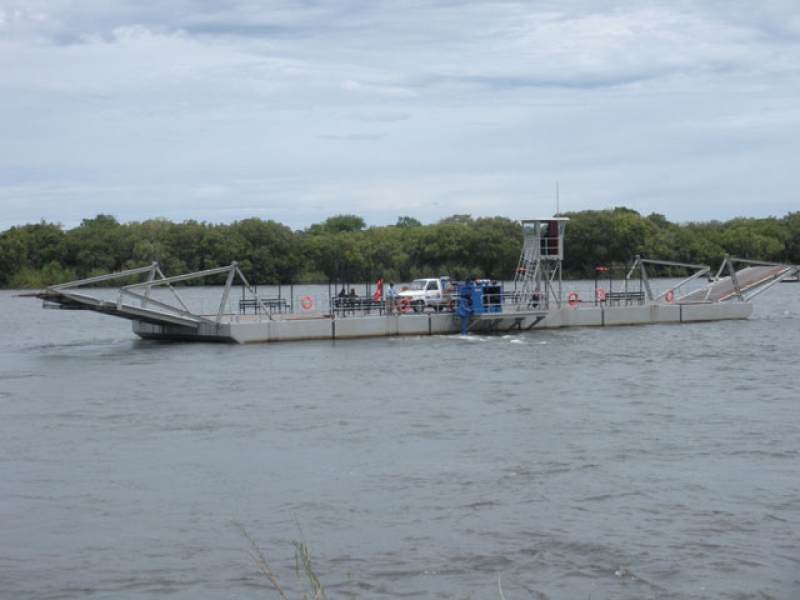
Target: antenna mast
{"type": "Point", "coordinates": [557, 207]}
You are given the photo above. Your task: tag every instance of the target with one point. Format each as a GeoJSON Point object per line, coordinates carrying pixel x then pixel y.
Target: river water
{"type": "Point", "coordinates": [628, 463]}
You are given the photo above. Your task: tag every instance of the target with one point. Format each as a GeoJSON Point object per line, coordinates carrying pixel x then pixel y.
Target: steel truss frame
{"type": "Point", "coordinates": [67, 296]}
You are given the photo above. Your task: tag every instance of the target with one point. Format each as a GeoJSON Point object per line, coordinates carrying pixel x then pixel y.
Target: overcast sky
{"type": "Point", "coordinates": [220, 110]}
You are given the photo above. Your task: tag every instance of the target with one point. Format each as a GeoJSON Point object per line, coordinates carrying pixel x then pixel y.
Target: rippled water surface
{"type": "Point", "coordinates": [637, 462]}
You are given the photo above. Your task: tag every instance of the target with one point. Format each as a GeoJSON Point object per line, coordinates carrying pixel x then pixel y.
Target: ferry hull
{"type": "Point", "coordinates": [244, 329]}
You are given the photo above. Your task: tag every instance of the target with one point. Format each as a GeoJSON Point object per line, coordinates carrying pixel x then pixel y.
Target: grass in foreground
{"type": "Point", "coordinates": [304, 572]}
{"type": "Point", "coordinates": [312, 588]}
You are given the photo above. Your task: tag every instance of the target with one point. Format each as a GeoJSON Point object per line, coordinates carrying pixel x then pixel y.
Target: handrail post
{"type": "Point", "coordinates": [225, 293]}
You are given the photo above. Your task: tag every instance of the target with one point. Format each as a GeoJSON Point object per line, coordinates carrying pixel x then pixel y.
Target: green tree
{"type": "Point", "coordinates": [338, 224]}
{"type": "Point", "coordinates": [149, 242]}
{"type": "Point", "coordinates": [384, 251]}
{"type": "Point", "coordinates": [407, 222]}
{"type": "Point", "coordinates": [495, 245]}
{"type": "Point", "coordinates": [587, 241]}
{"type": "Point", "coordinates": [270, 252]}
{"type": "Point", "coordinates": [30, 247]}
{"type": "Point", "coordinates": [96, 246]}
{"type": "Point", "coordinates": [791, 237]}
{"type": "Point", "coordinates": [338, 257]}
{"type": "Point", "coordinates": [456, 219]}
{"type": "Point", "coordinates": [757, 239]}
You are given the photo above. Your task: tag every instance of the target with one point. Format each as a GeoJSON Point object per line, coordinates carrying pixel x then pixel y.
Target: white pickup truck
{"type": "Point", "coordinates": [422, 293]}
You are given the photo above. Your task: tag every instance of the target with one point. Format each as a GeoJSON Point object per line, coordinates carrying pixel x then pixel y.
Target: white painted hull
{"type": "Point", "coordinates": [252, 329]}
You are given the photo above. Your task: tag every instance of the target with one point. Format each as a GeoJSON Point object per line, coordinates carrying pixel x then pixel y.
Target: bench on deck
{"type": "Point", "coordinates": [364, 304]}
{"type": "Point", "coordinates": [276, 304]}
{"type": "Point", "coordinates": [618, 298]}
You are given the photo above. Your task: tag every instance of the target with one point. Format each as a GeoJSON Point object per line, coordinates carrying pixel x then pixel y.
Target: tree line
{"type": "Point", "coordinates": [343, 249]}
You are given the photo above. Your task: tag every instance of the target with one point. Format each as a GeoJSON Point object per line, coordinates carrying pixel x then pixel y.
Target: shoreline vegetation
{"type": "Point", "coordinates": [343, 249]}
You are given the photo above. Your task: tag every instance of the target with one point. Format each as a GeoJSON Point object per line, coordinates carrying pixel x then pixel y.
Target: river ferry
{"type": "Point", "coordinates": [539, 299]}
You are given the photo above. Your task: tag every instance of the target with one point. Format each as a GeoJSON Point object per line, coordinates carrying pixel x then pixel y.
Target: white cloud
{"type": "Point", "coordinates": [382, 109]}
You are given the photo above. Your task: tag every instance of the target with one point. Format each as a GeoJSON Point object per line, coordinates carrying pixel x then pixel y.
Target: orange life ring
{"type": "Point", "coordinates": [669, 296]}
{"type": "Point", "coordinates": [600, 293]}
{"type": "Point", "coordinates": [306, 302]}
{"type": "Point", "coordinates": [403, 304]}
{"type": "Point", "coordinates": [572, 299]}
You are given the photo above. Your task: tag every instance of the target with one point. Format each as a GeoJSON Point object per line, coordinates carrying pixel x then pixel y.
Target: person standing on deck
{"type": "Point", "coordinates": [391, 295]}
{"type": "Point", "coordinates": [352, 300]}
{"type": "Point", "coordinates": [536, 298]}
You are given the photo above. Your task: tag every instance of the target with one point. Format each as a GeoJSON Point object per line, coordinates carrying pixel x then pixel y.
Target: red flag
{"type": "Point", "coordinates": [378, 291]}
